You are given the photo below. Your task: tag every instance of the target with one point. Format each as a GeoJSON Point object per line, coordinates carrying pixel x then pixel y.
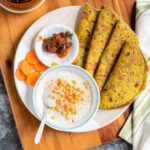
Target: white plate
{"type": "Point", "coordinates": [70, 17]}
{"type": "Point", "coordinates": [47, 58]}
{"type": "Point", "coordinates": [21, 11]}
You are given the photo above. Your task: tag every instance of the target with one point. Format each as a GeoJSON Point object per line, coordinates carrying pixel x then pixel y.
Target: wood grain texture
{"type": "Point", "coordinates": [12, 27]}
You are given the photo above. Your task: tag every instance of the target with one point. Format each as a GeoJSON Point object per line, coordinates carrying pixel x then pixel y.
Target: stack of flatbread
{"type": "Point", "coordinates": [110, 52]}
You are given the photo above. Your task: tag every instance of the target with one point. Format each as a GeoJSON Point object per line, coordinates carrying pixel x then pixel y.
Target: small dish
{"type": "Point", "coordinates": [52, 59]}
{"type": "Point", "coordinates": [76, 73]}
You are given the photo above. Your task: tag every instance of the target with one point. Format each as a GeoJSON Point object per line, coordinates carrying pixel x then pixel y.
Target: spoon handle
{"type": "Point", "coordinates": [40, 129]}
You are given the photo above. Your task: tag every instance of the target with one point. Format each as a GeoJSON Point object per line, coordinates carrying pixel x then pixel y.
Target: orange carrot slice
{"type": "Point", "coordinates": [20, 75]}
{"type": "Point", "coordinates": [32, 58]}
{"type": "Point", "coordinates": [65, 53]}
{"type": "Point", "coordinates": [25, 67]}
{"type": "Point", "coordinates": [20, 63]}
{"type": "Point", "coordinates": [33, 77]}
{"type": "Point", "coordinates": [40, 67]}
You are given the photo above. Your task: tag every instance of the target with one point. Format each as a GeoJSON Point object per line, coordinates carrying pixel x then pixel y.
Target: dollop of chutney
{"type": "Point", "coordinates": [59, 43]}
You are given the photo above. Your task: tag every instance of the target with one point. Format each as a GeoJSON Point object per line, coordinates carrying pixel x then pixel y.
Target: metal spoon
{"type": "Point", "coordinates": [41, 127]}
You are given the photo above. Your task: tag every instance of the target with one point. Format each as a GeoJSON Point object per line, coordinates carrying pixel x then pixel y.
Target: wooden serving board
{"type": "Point", "coordinates": [12, 27]}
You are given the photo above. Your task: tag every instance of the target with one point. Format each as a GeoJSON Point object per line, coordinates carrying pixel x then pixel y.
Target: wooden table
{"type": "Point", "coordinates": [12, 27]}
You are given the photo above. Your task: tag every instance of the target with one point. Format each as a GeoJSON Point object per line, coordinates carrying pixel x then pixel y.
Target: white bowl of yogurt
{"type": "Point", "coordinates": [71, 95]}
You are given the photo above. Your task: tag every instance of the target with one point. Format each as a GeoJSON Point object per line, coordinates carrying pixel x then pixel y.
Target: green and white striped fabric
{"type": "Point", "coordinates": [141, 6]}
{"type": "Point", "coordinates": [137, 127]}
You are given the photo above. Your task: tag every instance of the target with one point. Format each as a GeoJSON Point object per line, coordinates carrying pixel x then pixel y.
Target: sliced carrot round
{"type": "Point", "coordinates": [33, 77]}
{"type": "Point", "coordinates": [65, 54]}
{"type": "Point", "coordinates": [20, 63]}
{"type": "Point", "coordinates": [32, 58]}
{"type": "Point", "coordinates": [25, 67]}
{"type": "Point", "coordinates": [20, 75]}
{"type": "Point", "coordinates": [40, 67]}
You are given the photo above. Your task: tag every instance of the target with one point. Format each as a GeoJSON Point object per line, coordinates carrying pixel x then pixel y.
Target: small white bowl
{"type": "Point", "coordinates": [50, 59]}
{"type": "Point", "coordinates": [60, 123]}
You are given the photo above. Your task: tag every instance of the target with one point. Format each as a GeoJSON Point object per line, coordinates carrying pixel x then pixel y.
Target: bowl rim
{"type": "Point", "coordinates": [96, 105]}
{"type": "Point", "coordinates": [23, 10]}
{"type": "Point", "coordinates": [75, 53]}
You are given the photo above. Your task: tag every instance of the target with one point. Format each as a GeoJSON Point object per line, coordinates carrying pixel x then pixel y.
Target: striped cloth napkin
{"type": "Point", "coordinates": [137, 128]}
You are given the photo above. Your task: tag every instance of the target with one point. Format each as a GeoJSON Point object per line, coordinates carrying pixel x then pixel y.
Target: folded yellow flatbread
{"type": "Point", "coordinates": [84, 31]}
{"type": "Point", "coordinates": [114, 57]}
{"type": "Point", "coordinates": [106, 21]}
{"type": "Point", "coordinates": [127, 79]}
{"type": "Point", "coordinates": [120, 35]}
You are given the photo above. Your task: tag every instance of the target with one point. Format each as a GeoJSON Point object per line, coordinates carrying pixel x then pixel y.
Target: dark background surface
{"type": "Point", "coordinates": [9, 139]}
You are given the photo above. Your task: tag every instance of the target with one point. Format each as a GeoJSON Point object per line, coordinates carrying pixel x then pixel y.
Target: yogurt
{"type": "Point", "coordinates": [83, 107]}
